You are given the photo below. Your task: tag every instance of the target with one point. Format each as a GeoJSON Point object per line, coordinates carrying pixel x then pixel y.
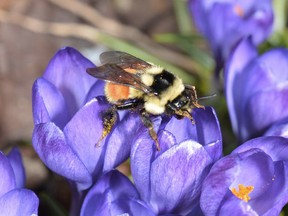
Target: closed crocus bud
{"type": "Point", "coordinates": [225, 23]}
{"type": "Point", "coordinates": [256, 89]}
{"type": "Point", "coordinates": [68, 121]}
{"type": "Point", "coordinates": [15, 200]}
{"type": "Point", "coordinates": [252, 180]}
{"type": "Point", "coordinates": [170, 180]}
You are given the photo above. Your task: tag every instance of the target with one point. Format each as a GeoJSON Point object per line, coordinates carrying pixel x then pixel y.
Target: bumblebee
{"type": "Point", "coordinates": [134, 84]}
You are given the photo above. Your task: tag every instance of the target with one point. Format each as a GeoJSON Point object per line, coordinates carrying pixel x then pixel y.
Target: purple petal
{"type": "Point", "coordinates": [51, 145]}
{"type": "Point", "coordinates": [275, 62]}
{"type": "Point", "coordinates": [215, 186]}
{"type": "Point", "coordinates": [119, 143]}
{"type": "Point", "coordinates": [176, 177]}
{"type": "Point", "coordinates": [182, 129]}
{"type": "Point", "coordinates": [96, 90]}
{"type": "Point", "coordinates": [239, 59]}
{"type": "Point", "coordinates": [275, 197]}
{"type": "Point", "coordinates": [84, 131]}
{"type": "Point", "coordinates": [233, 206]}
{"type": "Point", "coordinates": [275, 147]}
{"type": "Point", "coordinates": [130, 207]}
{"type": "Point", "coordinates": [19, 202]}
{"type": "Point", "coordinates": [109, 188]}
{"type": "Point", "coordinates": [278, 129]}
{"type": "Point", "coordinates": [67, 71]}
{"type": "Point", "coordinates": [257, 107]}
{"type": "Point", "coordinates": [7, 182]}
{"type": "Point", "coordinates": [142, 154]}
{"type": "Point", "coordinates": [208, 128]}
{"type": "Point", "coordinates": [48, 104]}
{"type": "Point", "coordinates": [15, 160]}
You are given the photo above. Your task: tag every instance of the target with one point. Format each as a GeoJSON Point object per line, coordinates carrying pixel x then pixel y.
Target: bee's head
{"type": "Point", "coordinates": [186, 100]}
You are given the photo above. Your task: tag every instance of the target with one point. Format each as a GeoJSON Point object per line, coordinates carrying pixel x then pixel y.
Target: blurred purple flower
{"type": "Point", "coordinates": [258, 172]}
{"type": "Point", "coordinates": [225, 23]}
{"type": "Point", "coordinates": [68, 121]}
{"type": "Point", "coordinates": [170, 181]}
{"type": "Point", "coordinates": [114, 194]}
{"type": "Point", "coordinates": [256, 89]}
{"type": "Point", "coordinates": [14, 199]}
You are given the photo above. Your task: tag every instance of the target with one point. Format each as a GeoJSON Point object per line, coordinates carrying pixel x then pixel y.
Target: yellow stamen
{"type": "Point", "coordinates": [243, 192]}
{"type": "Point", "coordinates": [239, 10]}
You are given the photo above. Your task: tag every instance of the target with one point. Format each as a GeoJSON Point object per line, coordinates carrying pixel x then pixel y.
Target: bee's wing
{"type": "Point", "coordinates": [115, 74]}
{"type": "Point", "coordinates": [123, 60]}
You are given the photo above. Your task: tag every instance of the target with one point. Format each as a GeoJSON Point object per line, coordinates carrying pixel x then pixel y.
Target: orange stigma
{"type": "Point", "coordinates": [243, 192]}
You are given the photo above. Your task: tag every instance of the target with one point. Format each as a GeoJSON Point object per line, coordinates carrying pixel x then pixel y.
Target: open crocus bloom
{"type": "Point", "coordinates": [68, 121]}
{"type": "Point", "coordinates": [252, 180]}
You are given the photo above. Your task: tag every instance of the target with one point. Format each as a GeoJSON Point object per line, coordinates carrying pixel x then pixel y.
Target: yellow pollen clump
{"type": "Point", "coordinates": [239, 10]}
{"type": "Point", "coordinates": [243, 192]}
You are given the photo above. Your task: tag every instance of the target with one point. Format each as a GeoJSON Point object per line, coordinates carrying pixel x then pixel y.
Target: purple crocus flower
{"type": "Point", "coordinates": [170, 181]}
{"type": "Point", "coordinates": [14, 199]}
{"type": "Point", "coordinates": [252, 180]}
{"type": "Point", "coordinates": [114, 194]}
{"type": "Point", "coordinates": [68, 121]}
{"type": "Point", "coordinates": [225, 23]}
{"type": "Point", "coordinates": [256, 89]}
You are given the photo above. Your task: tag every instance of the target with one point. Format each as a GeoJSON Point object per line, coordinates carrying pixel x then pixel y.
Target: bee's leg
{"type": "Point", "coordinates": [109, 119]}
{"type": "Point", "coordinates": [185, 113]}
{"type": "Point", "coordinates": [180, 113]}
{"type": "Point", "coordinates": [149, 124]}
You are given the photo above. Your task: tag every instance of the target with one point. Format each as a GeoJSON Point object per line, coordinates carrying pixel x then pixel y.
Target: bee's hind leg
{"type": "Point", "coordinates": [149, 124]}
{"type": "Point", "coordinates": [109, 119]}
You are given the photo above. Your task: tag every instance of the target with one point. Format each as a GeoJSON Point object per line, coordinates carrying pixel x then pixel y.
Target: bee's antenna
{"type": "Point", "coordinates": [206, 97]}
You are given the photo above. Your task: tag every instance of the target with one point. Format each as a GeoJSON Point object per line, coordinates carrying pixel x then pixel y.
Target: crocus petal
{"type": "Point", "coordinates": [277, 189]}
{"type": "Point", "coordinates": [278, 129]}
{"type": "Point", "coordinates": [84, 131]}
{"type": "Point", "coordinates": [7, 182]}
{"type": "Point", "coordinates": [19, 202]}
{"type": "Point", "coordinates": [205, 130]}
{"type": "Point", "coordinates": [176, 177]}
{"type": "Point", "coordinates": [275, 147]}
{"type": "Point", "coordinates": [207, 124]}
{"type": "Point", "coordinates": [119, 143]}
{"type": "Point", "coordinates": [216, 181]}
{"type": "Point", "coordinates": [50, 144]}
{"type": "Point", "coordinates": [244, 53]}
{"type": "Point", "coordinates": [15, 160]}
{"type": "Point", "coordinates": [257, 106]}
{"type": "Point", "coordinates": [48, 104]}
{"type": "Point", "coordinates": [96, 90]}
{"type": "Point", "coordinates": [182, 129]}
{"type": "Point", "coordinates": [67, 71]}
{"type": "Point", "coordinates": [112, 186]}
{"type": "Point", "coordinates": [142, 154]}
